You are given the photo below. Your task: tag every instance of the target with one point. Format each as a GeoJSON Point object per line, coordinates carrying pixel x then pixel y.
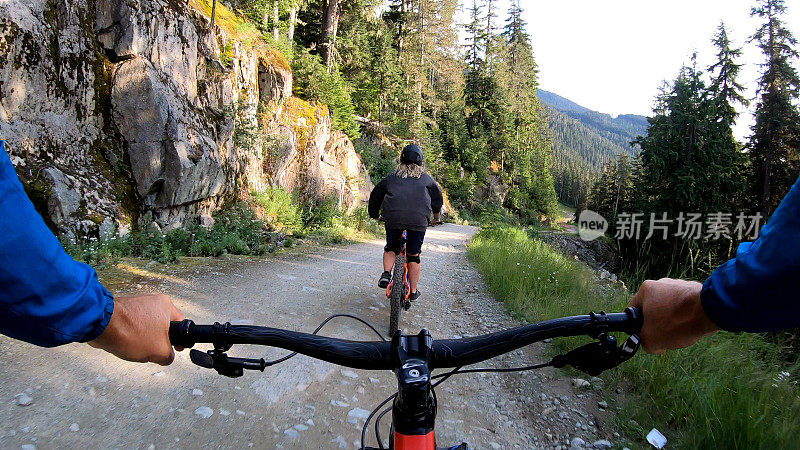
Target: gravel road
{"type": "Point", "coordinates": [78, 397]}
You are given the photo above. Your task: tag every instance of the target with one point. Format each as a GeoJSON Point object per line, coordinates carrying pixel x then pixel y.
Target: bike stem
{"type": "Point", "coordinates": [414, 408]}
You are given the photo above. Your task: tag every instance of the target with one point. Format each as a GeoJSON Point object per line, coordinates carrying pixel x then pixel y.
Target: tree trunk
{"type": "Point", "coordinates": [275, 13]}
{"type": "Point", "coordinates": [765, 194]}
{"type": "Point", "coordinates": [401, 31]}
{"type": "Point", "coordinates": [213, 13]}
{"type": "Point", "coordinates": [421, 20]}
{"type": "Point", "coordinates": [330, 24]}
{"type": "Point", "coordinates": [292, 20]}
{"type": "Point", "coordinates": [769, 151]}
{"type": "Point", "coordinates": [265, 19]}
{"type": "Point", "coordinates": [489, 34]}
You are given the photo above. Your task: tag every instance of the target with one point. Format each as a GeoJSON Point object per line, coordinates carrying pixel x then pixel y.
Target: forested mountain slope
{"type": "Point", "coordinates": [621, 129]}
{"type": "Point", "coordinates": [583, 140]}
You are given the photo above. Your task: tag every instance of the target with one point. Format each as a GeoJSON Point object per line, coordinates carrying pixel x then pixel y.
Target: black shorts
{"type": "Point", "coordinates": [394, 241]}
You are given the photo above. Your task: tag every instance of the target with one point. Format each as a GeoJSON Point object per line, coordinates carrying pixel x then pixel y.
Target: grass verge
{"type": "Point", "coordinates": [727, 391]}
{"type": "Point", "coordinates": [267, 222]}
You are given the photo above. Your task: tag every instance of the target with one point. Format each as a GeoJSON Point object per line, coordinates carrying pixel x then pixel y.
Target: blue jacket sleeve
{"type": "Point", "coordinates": [46, 297]}
{"type": "Point", "coordinates": [758, 289]}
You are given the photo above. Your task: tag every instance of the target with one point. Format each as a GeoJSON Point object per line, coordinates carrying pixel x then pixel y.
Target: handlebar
{"type": "Point", "coordinates": [377, 355]}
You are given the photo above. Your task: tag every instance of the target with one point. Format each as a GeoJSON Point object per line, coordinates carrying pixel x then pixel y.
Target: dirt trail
{"type": "Point", "coordinates": [82, 397]}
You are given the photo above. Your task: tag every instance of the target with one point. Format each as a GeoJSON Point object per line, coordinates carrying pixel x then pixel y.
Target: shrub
{"type": "Point", "coordinates": [319, 214]}
{"type": "Point", "coordinates": [378, 160]}
{"type": "Point", "coordinates": [313, 82]}
{"type": "Point", "coordinates": [280, 209]}
{"type": "Point", "coordinates": [236, 230]}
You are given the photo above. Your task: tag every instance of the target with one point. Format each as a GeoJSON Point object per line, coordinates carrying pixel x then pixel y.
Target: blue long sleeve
{"type": "Point", "coordinates": [758, 289]}
{"type": "Point", "coordinates": [46, 297]}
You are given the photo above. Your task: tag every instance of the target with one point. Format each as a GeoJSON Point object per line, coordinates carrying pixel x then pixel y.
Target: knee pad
{"type": "Point", "coordinates": [412, 258]}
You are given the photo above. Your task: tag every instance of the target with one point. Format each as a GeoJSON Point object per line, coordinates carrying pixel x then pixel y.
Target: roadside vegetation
{"type": "Point", "coordinates": [266, 222]}
{"type": "Point", "coordinates": [728, 391]}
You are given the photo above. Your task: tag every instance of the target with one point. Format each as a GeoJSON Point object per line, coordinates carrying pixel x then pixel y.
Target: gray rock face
{"type": "Point", "coordinates": [158, 119]}
{"type": "Point", "coordinates": [64, 200]}
{"type": "Point", "coordinates": [173, 161]}
{"type": "Point", "coordinates": [322, 163]}
{"type": "Point", "coordinates": [49, 108]}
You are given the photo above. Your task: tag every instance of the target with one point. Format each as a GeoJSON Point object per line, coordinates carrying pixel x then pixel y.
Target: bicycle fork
{"type": "Point", "coordinates": [406, 284]}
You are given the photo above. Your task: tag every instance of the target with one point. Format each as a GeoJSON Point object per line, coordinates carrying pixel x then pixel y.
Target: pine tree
{"type": "Point", "coordinates": [775, 143]}
{"type": "Point", "coordinates": [724, 86]}
{"type": "Point", "coordinates": [725, 159]}
{"type": "Point", "coordinates": [369, 63]}
{"type": "Point", "coordinates": [613, 192]}
{"type": "Point", "coordinates": [529, 143]}
{"type": "Point", "coordinates": [689, 161]}
{"type": "Point", "coordinates": [476, 37]}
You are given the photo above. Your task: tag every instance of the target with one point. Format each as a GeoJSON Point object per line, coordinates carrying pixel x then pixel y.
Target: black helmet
{"type": "Point", "coordinates": [411, 154]}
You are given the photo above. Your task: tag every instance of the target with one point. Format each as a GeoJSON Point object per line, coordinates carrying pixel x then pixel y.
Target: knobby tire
{"type": "Point", "coordinates": [396, 295]}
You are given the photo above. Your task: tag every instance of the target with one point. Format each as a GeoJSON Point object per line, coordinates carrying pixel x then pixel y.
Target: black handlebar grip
{"type": "Point", "coordinates": [636, 319]}
{"type": "Point", "coordinates": [179, 333]}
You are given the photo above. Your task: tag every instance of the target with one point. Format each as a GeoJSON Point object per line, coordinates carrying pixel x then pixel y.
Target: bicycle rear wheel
{"type": "Point", "coordinates": [396, 295]}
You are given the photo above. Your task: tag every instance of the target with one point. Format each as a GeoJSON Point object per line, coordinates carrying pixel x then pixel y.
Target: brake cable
{"type": "Point", "coordinates": [324, 322]}
{"type": "Point", "coordinates": [377, 427]}
{"type": "Point", "coordinates": [369, 418]}
{"type": "Point", "coordinates": [442, 378]}
{"type": "Point", "coordinates": [592, 358]}
{"type": "Point", "coordinates": [457, 371]}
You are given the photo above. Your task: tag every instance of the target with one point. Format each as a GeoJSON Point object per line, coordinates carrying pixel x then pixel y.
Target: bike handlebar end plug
{"type": "Point", "coordinates": [179, 334]}
{"type": "Point", "coordinates": [637, 319]}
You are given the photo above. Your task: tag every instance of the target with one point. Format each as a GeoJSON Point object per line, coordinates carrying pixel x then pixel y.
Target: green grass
{"type": "Point", "coordinates": [270, 220]}
{"type": "Point", "coordinates": [236, 230]}
{"type": "Point", "coordinates": [724, 392]}
{"type": "Point", "coordinates": [279, 209]}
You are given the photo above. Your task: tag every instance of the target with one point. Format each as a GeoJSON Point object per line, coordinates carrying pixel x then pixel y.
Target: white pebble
{"type": "Point", "coordinates": [339, 440]}
{"type": "Point", "coordinates": [74, 427]}
{"type": "Point", "coordinates": [357, 414]}
{"type": "Point", "coordinates": [23, 399]}
{"type": "Point", "coordinates": [204, 411]}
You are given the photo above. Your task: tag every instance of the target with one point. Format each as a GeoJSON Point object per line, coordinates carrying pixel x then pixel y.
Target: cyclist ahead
{"type": "Point", "coordinates": [407, 197]}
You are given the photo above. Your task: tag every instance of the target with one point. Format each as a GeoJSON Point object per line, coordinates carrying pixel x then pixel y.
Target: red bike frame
{"type": "Point", "coordinates": [412, 442]}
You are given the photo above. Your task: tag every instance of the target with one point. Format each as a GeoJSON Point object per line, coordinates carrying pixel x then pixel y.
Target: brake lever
{"type": "Point", "coordinates": [225, 365]}
{"type": "Point", "coordinates": [596, 357]}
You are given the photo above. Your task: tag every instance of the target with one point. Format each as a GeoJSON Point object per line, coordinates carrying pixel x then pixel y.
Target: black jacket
{"type": "Point", "coordinates": [407, 202]}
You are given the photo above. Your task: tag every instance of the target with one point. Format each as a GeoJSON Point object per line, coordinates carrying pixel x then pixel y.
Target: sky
{"type": "Point", "coordinates": [613, 55]}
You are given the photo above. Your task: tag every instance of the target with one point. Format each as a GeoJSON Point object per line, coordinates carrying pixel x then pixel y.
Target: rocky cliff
{"type": "Point", "coordinates": [112, 109]}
